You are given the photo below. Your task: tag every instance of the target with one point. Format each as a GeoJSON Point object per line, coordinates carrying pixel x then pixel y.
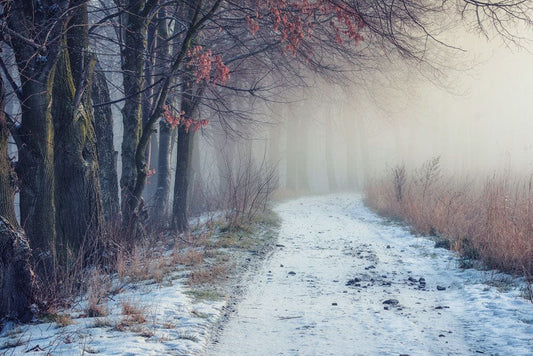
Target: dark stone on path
{"type": "Point", "coordinates": [441, 288]}
{"type": "Point", "coordinates": [388, 246]}
{"type": "Point", "coordinates": [279, 245]}
{"type": "Point", "coordinates": [370, 267]}
{"type": "Point", "coordinates": [334, 304]}
{"type": "Point", "coordinates": [391, 302]}
{"type": "Point", "coordinates": [292, 273]}
{"type": "Point", "coordinates": [353, 282]}
{"type": "Point", "coordinates": [281, 266]}
{"type": "Point", "coordinates": [411, 279]}
{"type": "Point", "coordinates": [422, 280]}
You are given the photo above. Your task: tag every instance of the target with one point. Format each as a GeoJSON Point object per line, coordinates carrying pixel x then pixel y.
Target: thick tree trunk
{"type": "Point", "coordinates": [79, 213]}
{"type": "Point", "coordinates": [35, 166]}
{"type": "Point", "coordinates": [17, 281]}
{"type": "Point", "coordinates": [160, 209]}
{"type": "Point", "coordinates": [36, 159]}
{"type": "Point", "coordinates": [107, 156]}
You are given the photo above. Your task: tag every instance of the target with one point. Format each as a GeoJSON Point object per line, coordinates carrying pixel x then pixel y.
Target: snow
{"type": "Point", "coordinates": [175, 325]}
{"type": "Point", "coordinates": [299, 304]}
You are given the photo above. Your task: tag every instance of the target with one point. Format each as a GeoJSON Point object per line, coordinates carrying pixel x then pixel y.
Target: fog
{"type": "Point", "coordinates": [476, 115]}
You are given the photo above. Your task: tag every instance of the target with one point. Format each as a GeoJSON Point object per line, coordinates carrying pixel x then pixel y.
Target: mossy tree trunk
{"type": "Point", "coordinates": [78, 199]}
{"type": "Point", "coordinates": [36, 61]}
{"type": "Point", "coordinates": [17, 281]}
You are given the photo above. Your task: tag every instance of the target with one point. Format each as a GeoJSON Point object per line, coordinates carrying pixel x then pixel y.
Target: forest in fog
{"type": "Point", "coordinates": [121, 119]}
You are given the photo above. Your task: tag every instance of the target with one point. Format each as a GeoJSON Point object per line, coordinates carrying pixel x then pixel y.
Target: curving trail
{"type": "Point", "coordinates": [344, 282]}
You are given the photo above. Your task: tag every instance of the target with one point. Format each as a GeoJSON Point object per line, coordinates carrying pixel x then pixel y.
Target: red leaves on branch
{"type": "Point", "coordinates": [293, 20]}
{"type": "Point", "coordinates": [207, 66]}
{"type": "Point", "coordinates": [180, 119]}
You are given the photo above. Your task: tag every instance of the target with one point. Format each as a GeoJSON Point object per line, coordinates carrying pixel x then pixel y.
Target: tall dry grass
{"type": "Point", "coordinates": [490, 220]}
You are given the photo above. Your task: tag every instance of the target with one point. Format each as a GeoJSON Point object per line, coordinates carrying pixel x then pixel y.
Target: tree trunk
{"type": "Point", "coordinates": [180, 216]}
{"type": "Point", "coordinates": [79, 213]}
{"type": "Point", "coordinates": [17, 281]}
{"type": "Point", "coordinates": [107, 156]}
{"type": "Point", "coordinates": [147, 107]}
{"type": "Point", "coordinates": [160, 209]}
{"type": "Point", "coordinates": [35, 166]}
{"type": "Point", "coordinates": [180, 206]}
{"type": "Point", "coordinates": [133, 54]}
{"type": "Point", "coordinates": [36, 159]}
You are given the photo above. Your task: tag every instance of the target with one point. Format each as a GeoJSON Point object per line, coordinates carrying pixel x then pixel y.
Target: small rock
{"type": "Point", "coordinates": [441, 288]}
{"type": "Point", "coordinates": [386, 307]}
{"type": "Point", "coordinates": [292, 273]}
{"type": "Point", "coordinates": [280, 245]}
{"type": "Point", "coordinates": [353, 282]}
{"type": "Point", "coordinates": [281, 265]}
{"type": "Point", "coordinates": [388, 246]}
{"type": "Point", "coordinates": [411, 279]}
{"type": "Point", "coordinates": [441, 335]}
{"type": "Point", "coordinates": [422, 280]}
{"type": "Point", "coordinates": [370, 267]}
{"type": "Point", "coordinates": [391, 302]}
{"type": "Point", "coordinates": [334, 304]}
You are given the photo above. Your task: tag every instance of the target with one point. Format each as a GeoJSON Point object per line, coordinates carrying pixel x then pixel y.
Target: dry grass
{"type": "Point", "coordinates": [490, 221]}
{"type": "Point", "coordinates": [190, 257]}
{"type": "Point", "coordinates": [133, 312]}
{"type": "Point", "coordinates": [97, 292]}
{"type": "Point", "coordinates": [208, 275]}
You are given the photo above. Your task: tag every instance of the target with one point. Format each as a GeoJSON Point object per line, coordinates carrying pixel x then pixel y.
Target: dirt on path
{"type": "Point", "coordinates": [344, 282]}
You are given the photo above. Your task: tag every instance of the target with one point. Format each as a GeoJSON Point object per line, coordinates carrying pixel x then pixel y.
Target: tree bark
{"type": "Point", "coordinates": [107, 156]}
{"type": "Point", "coordinates": [35, 166]}
{"type": "Point", "coordinates": [160, 211]}
{"type": "Point", "coordinates": [133, 72]}
{"type": "Point", "coordinates": [180, 215]}
{"type": "Point", "coordinates": [78, 200]}
{"type": "Point", "coordinates": [36, 70]}
{"type": "Point", "coordinates": [17, 281]}
{"type": "Point", "coordinates": [180, 206]}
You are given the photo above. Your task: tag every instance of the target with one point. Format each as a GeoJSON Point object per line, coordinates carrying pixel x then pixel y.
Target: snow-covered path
{"type": "Point", "coordinates": [323, 293]}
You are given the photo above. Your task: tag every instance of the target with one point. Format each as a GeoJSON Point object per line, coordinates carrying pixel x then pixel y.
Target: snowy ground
{"type": "Point", "coordinates": [344, 282]}
{"type": "Point", "coordinates": [322, 292]}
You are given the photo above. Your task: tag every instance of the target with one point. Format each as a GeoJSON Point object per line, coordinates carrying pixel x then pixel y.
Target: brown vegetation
{"type": "Point", "coordinates": [491, 221]}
